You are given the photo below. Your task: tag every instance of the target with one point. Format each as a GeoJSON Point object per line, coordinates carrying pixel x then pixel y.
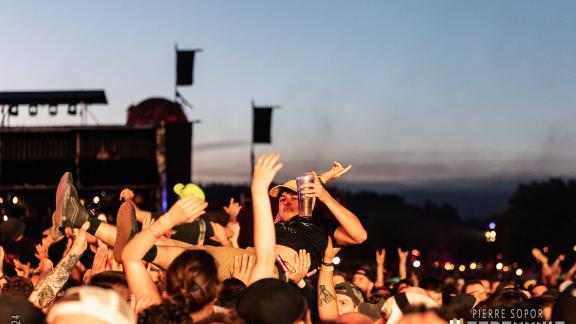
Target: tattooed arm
{"type": "Point", "coordinates": [327, 304]}
{"type": "Point", "coordinates": [46, 291]}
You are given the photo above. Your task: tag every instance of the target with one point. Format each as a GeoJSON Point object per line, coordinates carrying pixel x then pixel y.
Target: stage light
{"type": "Point", "coordinates": [415, 253]}
{"type": "Point", "coordinates": [5, 218]}
{"type": "Point", "coordinates": [545, 249]}
{"type": "Point", "coordinates": [473, 266]}
{"type": "Point", "coordinates": [13, 110]}
{"type": "Point", "coordinates": [519, 272]}
{"type": "Point", "coordinates": [462, 268]}
{"type": "Point", "coordinates": [52, 110]}
{"type": "Point", "coordinates": [574, 248]}
{"type": "Point", "coordinates": [492, 225]}
{"type": "Point", "coordinates": [72, 109]}
{"type": "Point", "coordinates": [505, 268]}
{"type": "Point", "coordinates": [416, 264]}
{"type": "Point", "coordinates": [499, 266]}
{"type": "Point", "coordinates": [15, 200]}
{"type": "Point", "coordinates": [33, 110]}
{"type": "Point", "coordinates": [96, 199]}
{"type": "Point", "coordinates": [336, 260]}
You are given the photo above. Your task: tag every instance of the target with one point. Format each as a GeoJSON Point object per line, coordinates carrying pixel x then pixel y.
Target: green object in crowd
{"type": "Point", "coordinates": [189, 189]}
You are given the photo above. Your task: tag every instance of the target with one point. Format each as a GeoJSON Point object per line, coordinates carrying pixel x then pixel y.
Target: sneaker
{"type": "Point", "coordinates": [55, 232]}
{"type": "Point", "coordinates": [126, 228]}
{"type": "Point", "coordinates": [69, 210]}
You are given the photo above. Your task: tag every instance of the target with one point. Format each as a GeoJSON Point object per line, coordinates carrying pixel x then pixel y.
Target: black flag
{"type": "Point", "coordinates": [184, 67]}
{"type": "Point", "coordinates": [261, 125]}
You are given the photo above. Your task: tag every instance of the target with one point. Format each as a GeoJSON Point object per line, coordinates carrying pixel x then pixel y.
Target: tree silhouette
{"type": "Point", "coordinates": [538, 214]}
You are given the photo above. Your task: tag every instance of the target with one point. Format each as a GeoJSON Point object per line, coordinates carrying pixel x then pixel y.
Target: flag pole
{"type": "Point", "coordinates": [252, 144]}
{"type": "Point", "coordinates": [176, 73]}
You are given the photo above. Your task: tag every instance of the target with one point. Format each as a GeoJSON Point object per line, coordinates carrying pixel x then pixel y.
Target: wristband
{"type": "Point", "coordinates": [329, 264]}
{"type": "Point", "coordinates": [324, 268]}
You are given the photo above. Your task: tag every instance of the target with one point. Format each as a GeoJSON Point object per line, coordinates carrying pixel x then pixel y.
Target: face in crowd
{"type": "Point", "coordinates": [345, 304]}
{"type": "Point", "coordinates": [362, 282]}
{"type": "Point", "coordinates": [287, 205]}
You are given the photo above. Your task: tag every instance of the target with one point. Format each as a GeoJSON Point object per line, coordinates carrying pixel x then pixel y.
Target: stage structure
{"type": "Point", "coordinates": [149, 155]}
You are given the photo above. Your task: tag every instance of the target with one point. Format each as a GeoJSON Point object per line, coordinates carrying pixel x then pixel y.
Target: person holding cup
{"type": "Point", "coordinates": [295, 231]}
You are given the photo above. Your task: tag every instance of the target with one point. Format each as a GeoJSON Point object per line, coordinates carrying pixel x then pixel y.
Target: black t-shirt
{"type": "Point", "coordinates": [310, 234]}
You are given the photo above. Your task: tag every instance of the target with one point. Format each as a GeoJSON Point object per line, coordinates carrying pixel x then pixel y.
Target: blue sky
{"type": "Point", "coordinates": [406, 91]}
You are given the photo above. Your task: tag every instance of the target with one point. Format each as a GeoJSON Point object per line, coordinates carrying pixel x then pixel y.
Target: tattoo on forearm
{"type": "Point", "coordinates": [46, 291]}
{"type": "Point", "coordinates": [324, 296]}
{"type": "Point", "coordinates": [45, 296]}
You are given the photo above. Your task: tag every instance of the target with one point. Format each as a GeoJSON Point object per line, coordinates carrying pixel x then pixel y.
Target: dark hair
{"type": "Point", "coordinates": [18, 286]}
{"type": "Point", "coordinates": [431, 284]}
{"type": "Point", "coordinates": [166, 312]}
{"type": "Point", "coordinates": [109, 279]}
{"type": "Point", "coordinates": [228, 296]}
{"type": "Point", "coordinates": [56, 251]}
{"type": "Point", "coordinates": [508, 299]}
{"type": "Point", "coordinates": [192, 280]}
{"type": "Point", "coordinates": [470, 283]}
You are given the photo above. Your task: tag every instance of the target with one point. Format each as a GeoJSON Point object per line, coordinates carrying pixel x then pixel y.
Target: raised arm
{"type": "Point", "coordinates": [335, 172]}
{"type": "Point", "coordinates": [264, 236]}
{"type": "Point", "coordinates": [47, 290]}
{"type": "Point", "coordinates": [402, 257]}
{"type": "Point", "coordinates": [184, 210]}
{"type": "Point", "coordinates": [2, 275]}
{"type": "Point", "coordinates": [380, 269]}
{"type": "Point", "coordinates": [128, 195]}
{"type": "Point", "coordinates": [350, 231]}
{"type": "Point", "coordinates": [327, 303]}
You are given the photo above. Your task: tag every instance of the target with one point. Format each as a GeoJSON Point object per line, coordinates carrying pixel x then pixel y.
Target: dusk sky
{"type": "Point", "coordinates": [406, 91]}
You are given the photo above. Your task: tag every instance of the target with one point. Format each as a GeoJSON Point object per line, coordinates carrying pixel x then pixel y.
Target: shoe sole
{"type": "Point", "coordinates": [62, 195]}
{"type": "Point", "coordinates": [126, 228]}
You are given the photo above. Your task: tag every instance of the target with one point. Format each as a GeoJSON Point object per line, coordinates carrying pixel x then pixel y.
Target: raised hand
{"type": "Point", "coordinates": [233, 209]}
{"type": "Point", "coordinates": [242, 267]}
{"type": "Point", "coordinates": [315, 189]}
{"type": "Point", "coordinates": [335, 172]}
{"type": "Point", "coordinates": [126, 194]}
{"type": "Point", "coordinates": [301, 268]}
{"type": "Point", "coordinates": [235, 228]}
{"type": "Point", "coordinates": [186, 210]}
{"type": "Point", "coordinates": [265, 170]}
{"type": "Point", "coordinates": [80, 244]}
{"type": "Point", "coordinates": [219, 234]}
{"type": "Point", "coordinates": [41, 252]}
{"type": "Point", "coordinates": [380, 256]}
{"type": "Point", "coordinates": [330, 251]}
{"type": "Point", "coordinates": [402, 255]}
{"type": "Point", "coordinates": [100, 263]}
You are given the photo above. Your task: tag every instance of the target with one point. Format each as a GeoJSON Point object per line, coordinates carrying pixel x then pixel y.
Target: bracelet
{"type": "Point", "coordinates": [155, 233]}
{"type": "Point", "coordinates": [330, 264]}
{"type": "Point", "coordinates": [321, 181]}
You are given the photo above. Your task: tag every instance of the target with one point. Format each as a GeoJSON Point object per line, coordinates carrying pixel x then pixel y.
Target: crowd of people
{"type": "Point", "coordinates": [180, 267]}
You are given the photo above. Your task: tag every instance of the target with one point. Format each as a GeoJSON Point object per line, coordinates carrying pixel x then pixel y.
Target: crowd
{"type": "Point", "coordinates": [179, 267]}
